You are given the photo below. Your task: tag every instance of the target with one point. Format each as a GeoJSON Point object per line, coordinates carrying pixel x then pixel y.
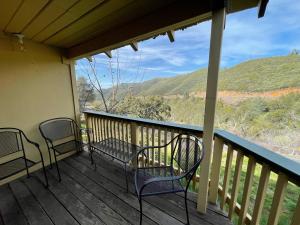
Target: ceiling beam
{"type": "Point", "coordinates": [171, 35]}
{"type": "Point", "coordinates": [176, 15]}
{"type": "Point", "coordinates": [134, 46]}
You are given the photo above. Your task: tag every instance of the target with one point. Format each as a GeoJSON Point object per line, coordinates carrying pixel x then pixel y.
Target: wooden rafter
{"type": "Point", "coordinates": [134, 46]}
{"type": "Point", "coordinates": [108, 54]}
{"type": "Point", "coordinates": [171, 35]}
{"type": "Point", "coordinates": [172, 17]}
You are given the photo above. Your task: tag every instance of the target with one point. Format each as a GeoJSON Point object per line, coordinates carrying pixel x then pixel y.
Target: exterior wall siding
{"type": "Point", "coordinates": [35, 85]}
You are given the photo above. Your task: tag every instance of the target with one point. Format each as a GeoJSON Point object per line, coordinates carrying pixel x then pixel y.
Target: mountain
{"type": "Point", "coordinates": [257, 75]}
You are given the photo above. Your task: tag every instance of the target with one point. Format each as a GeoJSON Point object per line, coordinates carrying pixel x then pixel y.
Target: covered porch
{"type": "Point", "coordinates": [89, 197]}
{"type": "Point", "coordinates": [40, 41]}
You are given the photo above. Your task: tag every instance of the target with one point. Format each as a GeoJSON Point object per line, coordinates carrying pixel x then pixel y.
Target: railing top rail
{"type": "Point", "coordinates": [276, 161]}
{"type": "Point", "coordinates": [176, 126]}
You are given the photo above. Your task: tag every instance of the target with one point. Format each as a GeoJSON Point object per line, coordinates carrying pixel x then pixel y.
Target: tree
{"type": "Point", "coordinates": [118, 100]}
{"type": "Point", "coordinates": [148, 107]}
{"type": "Point", "coordinates": [85, 91]}
{"type": "Point", "coordinates": [111, 97]}
{"type": "Point", "coordinates": [295, 52]}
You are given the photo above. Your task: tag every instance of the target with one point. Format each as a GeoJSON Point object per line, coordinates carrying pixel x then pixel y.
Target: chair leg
{"type": "Point", "coordinates": [141, 210]}
{"type": "Point", "coordinates": [186, 208]}
{"type": "Point", "coordinates": [91, 156]}
{"type": "Point", "coordinates": [50, 158]}
{"type": "Point", "coordinates": [45, 174]}
{"type": "Point", "coordinates": [126, 178]}
{"type": "Point", "coordinates": [58, 173]}
{"type": "Point", "coordinates": [28, 176]}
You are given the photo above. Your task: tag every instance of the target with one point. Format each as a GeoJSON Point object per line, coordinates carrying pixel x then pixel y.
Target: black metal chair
{"type": "Point", "coordinates": [186, 154]}
{"type": "Point", "coordinates": [62, 135]}
{"type": "Point", "coordinates": [12, 147]}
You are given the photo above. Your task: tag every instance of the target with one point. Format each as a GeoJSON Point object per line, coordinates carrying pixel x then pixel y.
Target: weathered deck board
{"type": "Point", "coordinates": [97, 206]}
{"type": "Point", "coordinates": [56, 211]}
{"type": "Point", "coordinates": [11, 212]}
{"type": "Point", "coordinates": [30, 206]}
{"type": "Point", "coordinates": [124, 209]}
{"type": "Point", "coordinates": [79, 211]}
{"type": "Point", "coordinates": [86, 196]}
{"type": "Point", "coordinates": [170, 204]}
{"type": "Point", "coordinates": [152, 212]}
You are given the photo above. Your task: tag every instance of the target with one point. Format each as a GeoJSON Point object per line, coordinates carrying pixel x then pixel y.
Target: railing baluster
{"type": "Point", "coordinates": [165, 149]}
{"type": "Point", "coordinates": [278, 197]}
{"type": "Point", "coordinates": [296, 217]}
{"type": "Point", "coordinates": [93, 129]}
{"type": "Point", "coordinates": [107, 129]}
{"type": "Point", "coordinates": [172, 144]}
{"type": "Point", "coordinates": [153, 144]}
{"type": "Point", "coordinates": [236, 182]}
{"type": "Point", "coordinates": [215, 170]}
{"type": "Point", "coordinates": [227, 174]}
{"type": "Point", "coordinates": [98, 129]}
{"type": "Point", "coordinates": [147, 141]}
{"type": "Point", "coordinates": [111, 132]}
{"type": "Point", "coordinates": [247, 190]}
{"type": "Point", "coordinates": [101, 127]}
{"type": "Point", "coordinates": [159, 144]}
{"type": "Point", "coordinates": [115, 129]}
{"type": "Point", "coordinates": [261, 194]}
{"type": "Point", "coordinates": [133, 138]}
{"type": "Point", "coordinates": [126, 132]}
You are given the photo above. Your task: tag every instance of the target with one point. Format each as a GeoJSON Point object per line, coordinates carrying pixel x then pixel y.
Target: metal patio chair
{"type": "Point", "coordinates": [62, 135]}
{"type": "Point", "coordinates": [14, 148]}
{"type": "Point", "coordinates": [186, 155]}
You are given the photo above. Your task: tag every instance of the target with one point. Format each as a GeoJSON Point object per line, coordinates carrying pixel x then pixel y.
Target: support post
{"type": "Point", "coordinates": [133, 131]}
{"type": "Point", "coordinates": [217, 27]}
{"type": "Point", "coordinates": [74, 91]}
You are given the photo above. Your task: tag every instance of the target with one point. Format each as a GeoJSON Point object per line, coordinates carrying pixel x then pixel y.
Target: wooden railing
{"type": "Point", "coordinates": [242, 173]}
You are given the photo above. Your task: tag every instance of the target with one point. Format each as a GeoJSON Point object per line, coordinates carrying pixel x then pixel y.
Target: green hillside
{"type": "Point", "coordinates": [252, 76]}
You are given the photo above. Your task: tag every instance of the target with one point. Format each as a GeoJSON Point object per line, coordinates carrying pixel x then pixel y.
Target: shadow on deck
{"type": "Point", "coordinates": [90, 197]}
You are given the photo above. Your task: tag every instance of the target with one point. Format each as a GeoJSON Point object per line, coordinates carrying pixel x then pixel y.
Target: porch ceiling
{"type": "Point", "coordinates": [84, 27]}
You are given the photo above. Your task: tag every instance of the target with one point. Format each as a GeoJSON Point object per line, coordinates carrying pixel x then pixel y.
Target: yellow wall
{"type": "Point", "coordinates": [34, 86]}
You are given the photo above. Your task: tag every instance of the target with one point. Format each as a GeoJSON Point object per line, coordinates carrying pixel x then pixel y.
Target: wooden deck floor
{"type": "Point", "coordinates": [89, 197]}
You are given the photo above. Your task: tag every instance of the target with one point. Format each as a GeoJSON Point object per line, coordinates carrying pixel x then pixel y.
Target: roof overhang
{"type": "Point", "coordinates": [83, 28]}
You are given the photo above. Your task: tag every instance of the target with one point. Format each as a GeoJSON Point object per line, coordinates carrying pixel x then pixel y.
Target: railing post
{"type": "Point", "coordinates": [215, 173]}
{"type": "Point", "coordinates": [133, 138]}
{"type": "Point", "coordinates": [217, 27]}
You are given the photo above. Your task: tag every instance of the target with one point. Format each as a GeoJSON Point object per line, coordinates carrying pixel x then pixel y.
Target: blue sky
{"type": "Point", "coordinates": [246, 37]}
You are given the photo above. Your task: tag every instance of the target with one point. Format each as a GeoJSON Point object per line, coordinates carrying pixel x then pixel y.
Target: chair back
{"type": "Point", "coordinates": [59, 129]}
{"type": "Point", "coordinates": [10, 141]}
{"type": "Point", "coordinates": [187, 154]}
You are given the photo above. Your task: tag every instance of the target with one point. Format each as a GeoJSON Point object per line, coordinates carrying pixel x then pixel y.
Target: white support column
{"type": "Point", "coordinates": [217, 27]}
{"type": "Point", "coordinates": [74, 91]}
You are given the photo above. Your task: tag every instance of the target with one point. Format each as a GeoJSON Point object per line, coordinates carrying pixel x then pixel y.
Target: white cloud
{"type": "Point", "coordinates": [245, 37]}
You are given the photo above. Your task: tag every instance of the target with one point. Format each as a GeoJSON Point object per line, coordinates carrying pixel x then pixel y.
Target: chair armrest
{"type": "Point", "coordinates": [159, 146]}
{"type": "Point", "coordinates": [35, 144]}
